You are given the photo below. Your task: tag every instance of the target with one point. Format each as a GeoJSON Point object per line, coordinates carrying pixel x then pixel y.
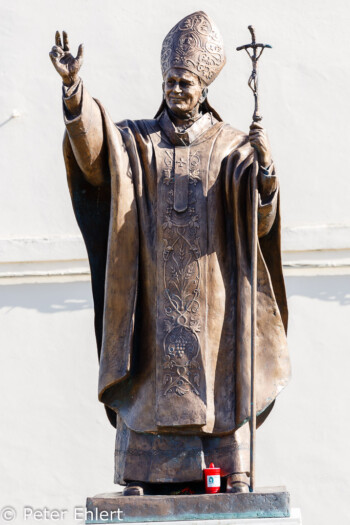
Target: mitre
{"type": "Point", "coordinates": [194, 44]}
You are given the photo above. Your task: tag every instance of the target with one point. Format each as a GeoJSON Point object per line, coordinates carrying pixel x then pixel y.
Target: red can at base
{"type": "Point", "coordinates": [212, 479]}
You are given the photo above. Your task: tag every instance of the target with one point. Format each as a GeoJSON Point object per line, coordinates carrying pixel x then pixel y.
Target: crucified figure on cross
{"type": "Point", "coordinates": [257, 51]}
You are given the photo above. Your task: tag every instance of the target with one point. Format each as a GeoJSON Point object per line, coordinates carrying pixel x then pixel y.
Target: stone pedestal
{"type": "Point", "coordinates": [294, 519]}
{"type": "Point", "coordinates": [263, 503]}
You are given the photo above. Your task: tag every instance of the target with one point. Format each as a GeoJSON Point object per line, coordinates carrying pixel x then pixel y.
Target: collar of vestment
{"type": "Point", "coordinates": [191, 134]}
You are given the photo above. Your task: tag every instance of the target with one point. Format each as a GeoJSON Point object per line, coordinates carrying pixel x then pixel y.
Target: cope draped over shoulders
{"type": "Point", "coordinates": [168, 236]}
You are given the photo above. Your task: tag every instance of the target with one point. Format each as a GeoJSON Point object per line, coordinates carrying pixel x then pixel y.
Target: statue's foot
{"type": "Point", "coordinates": [237, 487]}
{"type": "Point", "coordinates": [237, 483]}
{"type": "Point", "coordinates": [136, 488]}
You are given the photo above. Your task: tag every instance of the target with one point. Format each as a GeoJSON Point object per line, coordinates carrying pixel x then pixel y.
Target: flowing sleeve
{"type": "Point", "coordinates": [84, 125]}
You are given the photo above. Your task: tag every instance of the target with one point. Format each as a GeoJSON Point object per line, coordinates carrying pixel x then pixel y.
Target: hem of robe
{"type": "Point", "coordinates": [175, 458]}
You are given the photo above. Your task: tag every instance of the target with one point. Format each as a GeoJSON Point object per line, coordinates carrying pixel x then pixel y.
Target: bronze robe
{"type": "Point", "coordinates": [168, 235]}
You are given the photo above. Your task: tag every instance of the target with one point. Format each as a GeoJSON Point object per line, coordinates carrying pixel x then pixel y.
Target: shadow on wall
{"type": "Point", "coordinates": [322, 287]}
{"type": "Point", "coordinates": [72, 296]}
{"type": "Point", "coordinates": [47, 297]}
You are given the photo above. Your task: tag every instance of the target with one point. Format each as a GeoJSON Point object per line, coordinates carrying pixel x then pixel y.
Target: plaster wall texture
{"type": "Point", "coordinates": [56, 444]}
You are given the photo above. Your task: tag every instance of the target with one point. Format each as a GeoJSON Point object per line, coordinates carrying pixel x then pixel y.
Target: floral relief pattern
{"type": "Point", "coordinates": [182, 282]}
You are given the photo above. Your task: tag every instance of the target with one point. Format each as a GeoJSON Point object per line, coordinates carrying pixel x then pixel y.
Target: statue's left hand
{"type": "Point", "coordinates": [259, 141]}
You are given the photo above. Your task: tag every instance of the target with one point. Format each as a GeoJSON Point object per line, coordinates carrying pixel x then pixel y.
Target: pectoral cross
{"type": "Point", "coordinates": [181, 163]}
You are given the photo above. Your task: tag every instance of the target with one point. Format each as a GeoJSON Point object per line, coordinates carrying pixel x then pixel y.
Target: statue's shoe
{"type": "Point", "coordinates": [136, 488]}
{"type": "Point", "coordinates": [238, 486]}
{"type": "Point", "coordinates": [237, 483]}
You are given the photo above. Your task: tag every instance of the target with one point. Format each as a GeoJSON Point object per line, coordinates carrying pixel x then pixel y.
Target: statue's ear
{"type": "Point", "coordinates": [163, 88]}
{"type": "Point", "coordinates": [203, 95]}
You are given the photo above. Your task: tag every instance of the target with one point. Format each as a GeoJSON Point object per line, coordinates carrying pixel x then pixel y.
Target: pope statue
{"type": "Point", "coordinates": [164, 206]}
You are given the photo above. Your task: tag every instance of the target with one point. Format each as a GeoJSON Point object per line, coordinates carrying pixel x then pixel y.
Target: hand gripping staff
{"type": "Point", "coordinates": [254, 55]}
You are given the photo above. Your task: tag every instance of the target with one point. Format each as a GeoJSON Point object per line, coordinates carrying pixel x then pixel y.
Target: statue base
{"type": "Point", "coordinates": [115, 508]}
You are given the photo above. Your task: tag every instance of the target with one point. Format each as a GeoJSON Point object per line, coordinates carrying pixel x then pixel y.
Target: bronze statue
{"type": "Point", "coordinates": [164, 206]}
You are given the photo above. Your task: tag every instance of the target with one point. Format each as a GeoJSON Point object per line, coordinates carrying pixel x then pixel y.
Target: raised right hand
{"type": "Point", "coordinates": [64, 62]}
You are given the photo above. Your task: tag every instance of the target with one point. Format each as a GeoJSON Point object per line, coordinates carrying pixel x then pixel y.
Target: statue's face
{"type": "Point", "coordinates": [182, 91]}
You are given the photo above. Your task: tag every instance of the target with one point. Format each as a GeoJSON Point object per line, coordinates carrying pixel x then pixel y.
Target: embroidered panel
{"type": "Point", "coordinates": [181, 396]}
{"type": "Point", "coordinates": [182, 282]}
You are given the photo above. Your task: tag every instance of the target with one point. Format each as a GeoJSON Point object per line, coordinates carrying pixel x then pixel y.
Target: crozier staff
{"type": "Point", "coordinates": [165, 209]}
{"type": "Point", "coordinates": [256, 52]}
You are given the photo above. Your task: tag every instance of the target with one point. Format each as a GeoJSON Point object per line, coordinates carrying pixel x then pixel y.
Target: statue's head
{"type": "Point", "coordinates": [192, 57]}
{"type": "Point", "coordinates": [183, 91]}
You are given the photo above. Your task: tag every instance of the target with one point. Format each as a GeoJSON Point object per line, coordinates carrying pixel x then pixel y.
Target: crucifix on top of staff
{"type": "Point", "coordinates": [254, 55]}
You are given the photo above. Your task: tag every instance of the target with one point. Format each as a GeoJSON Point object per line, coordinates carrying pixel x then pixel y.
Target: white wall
{"type": "Point", "coordinates": [56, 444]}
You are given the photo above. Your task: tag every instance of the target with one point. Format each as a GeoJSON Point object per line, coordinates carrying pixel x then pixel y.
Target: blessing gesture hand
{"type": "Point", "coordinates": [64, 62]}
